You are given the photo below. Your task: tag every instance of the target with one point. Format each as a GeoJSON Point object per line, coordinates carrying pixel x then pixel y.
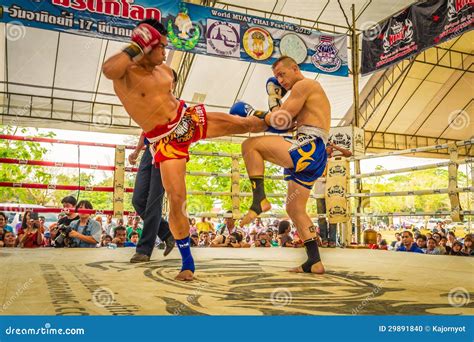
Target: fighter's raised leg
{"type": "Point", "coordinates": [223, 124]}
{"type": "Point", "coordinates": [255, 151]}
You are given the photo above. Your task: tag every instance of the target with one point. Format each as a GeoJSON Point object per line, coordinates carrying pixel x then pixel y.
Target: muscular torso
{"type": "Point", "coordinates": [146, 95]}
{"type": "Point", "coordinates": [316, 111]}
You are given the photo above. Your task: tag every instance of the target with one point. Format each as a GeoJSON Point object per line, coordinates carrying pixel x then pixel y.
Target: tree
{"type": "Point", "coordinates": [25, 150]}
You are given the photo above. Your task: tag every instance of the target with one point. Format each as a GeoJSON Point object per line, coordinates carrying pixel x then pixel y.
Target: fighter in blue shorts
{"type": "Point", "coordinates": [304, 157]}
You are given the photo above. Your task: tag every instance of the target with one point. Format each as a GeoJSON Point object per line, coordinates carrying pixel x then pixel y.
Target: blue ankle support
{"type": "Point", "coordinates": [184, 247]}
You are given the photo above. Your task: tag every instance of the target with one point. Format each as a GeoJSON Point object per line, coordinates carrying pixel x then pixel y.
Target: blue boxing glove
{"type": "Point", "coordinates": [275, 93]}
{"type": "Point", "coordinates": [243, 109]}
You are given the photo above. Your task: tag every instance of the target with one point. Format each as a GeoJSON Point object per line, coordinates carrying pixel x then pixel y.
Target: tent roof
{"type": "Point", "coordinates": [54, 79]}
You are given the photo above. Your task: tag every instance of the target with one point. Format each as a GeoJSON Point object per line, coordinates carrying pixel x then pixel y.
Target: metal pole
{"type": "Point", "coordinates": [355, 121]}
{"type": "Point", "coordinates": [235, 187]}
{"type": "Point", "coordinates": [119, 181]}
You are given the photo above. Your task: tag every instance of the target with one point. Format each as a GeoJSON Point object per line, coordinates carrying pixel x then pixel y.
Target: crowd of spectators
{"type": "Point", "coordinates": [437, 242]}
{"type": "Point", "coordinates": [86, 230]}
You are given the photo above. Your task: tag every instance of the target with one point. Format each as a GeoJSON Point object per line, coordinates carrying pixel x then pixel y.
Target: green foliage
{"type": "Point", "coordinates": [26, 150]}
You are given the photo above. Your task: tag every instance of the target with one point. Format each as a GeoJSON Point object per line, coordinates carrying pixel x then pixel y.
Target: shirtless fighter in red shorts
{"type": "Point", "coordinates": [143, 84]}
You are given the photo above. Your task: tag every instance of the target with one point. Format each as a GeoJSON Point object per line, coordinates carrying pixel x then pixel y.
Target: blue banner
{"type": "Point", "coordinates": [111, 19]}
{"type": "Point", "coordinates": [237, 328]}
{"type": "Point", "coordinates": [217, 32]}
{"type": "Point", "coordinates": [192, 28]}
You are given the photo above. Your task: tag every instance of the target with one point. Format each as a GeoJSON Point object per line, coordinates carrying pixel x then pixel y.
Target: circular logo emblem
{"type": "Point", "coordinates": [258, 43]}
{"type": "Point", "coordinates": [223, 38]}
{"type": "Point", "coordinates": [293, 46]}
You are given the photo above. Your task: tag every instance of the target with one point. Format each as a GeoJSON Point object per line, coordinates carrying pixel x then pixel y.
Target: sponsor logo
{"type": "Point", "coordinates": [337, 210]}
{"type": "Point", "coordinates": [398, 33]}
{"type": "Point", "coordinates": [337, 171]}
{"type": "Point", "coordinates": [293, 46]}
{"type": "Point", "coordinates": [325, 57]}
{"type": "Point", "coordinates": [182, 34]}
{"type": "Point", "coordinates": [223, 38]}
{"type": "Point", "coordinates": [336, 190]}
{"type": "Point", "coordinates": [341, 139]}
{"type": "Point", "coordinates": [258, 43]}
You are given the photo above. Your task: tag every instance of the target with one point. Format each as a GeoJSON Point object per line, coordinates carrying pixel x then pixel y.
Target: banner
{"type": "Point", "coordinates": [111, 19]}
{"type": "Point", "coordinates": [192, 28]}
{"type": "Point", "coordinates": [413, 30]}
{"type": "Point", "coordinates": [217, 32]}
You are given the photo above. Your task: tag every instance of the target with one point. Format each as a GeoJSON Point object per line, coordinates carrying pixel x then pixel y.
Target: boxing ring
{"type": "Point", "coordinates": [228, 281]}
{"type": "Point", "coordinates": [453, 191]}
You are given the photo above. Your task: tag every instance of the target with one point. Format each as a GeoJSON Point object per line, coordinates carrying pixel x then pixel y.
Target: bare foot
{"type": "Point", "coordinates": [252, 215]}
{"type": "Point", "coordinates": [185, 275]}
{"type": "Point", "coordinates": [317, 268]}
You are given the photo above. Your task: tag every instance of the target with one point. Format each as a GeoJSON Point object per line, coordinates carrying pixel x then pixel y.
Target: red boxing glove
{"type": "Point", "coordinates": [144, 38]}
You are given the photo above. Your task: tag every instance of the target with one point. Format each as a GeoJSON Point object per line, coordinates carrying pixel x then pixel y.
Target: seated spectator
{"type": "Point", "coordinates": [69, 203]}
{"type": "Point", "coordinates": [3, 223]}
{"type": "Point", "coordinates": [135, 228]}
{"type": "Point", "coordinates": [383, 245]}
{"type": "Point", "coordinates": [109, 224]}
{"type": "Point", "coordinates": [439, 247]}
{"type": "Point", "coordinates": [407, 243]}
{"type": "Point", "coordinates": [421, 242]}
{"type": "Point", "coordinates": [129, 221]}
{"type": "Point", "coordinates": [379, 243]}
{"type": "Point", "coordinates": [257, 225]}
{"type": "Point", "coordinates": [262, 240]}
{"type": "Point", "coordinates": [456, 249]}
{"type": "Point", "coordinates": [192, 226]}
{"type": "Point", "coordinates": [297, 242]}
{"type": "Point", "coordinates": [467, 249]}
{"type": "Point", "coordinates": [42, 227]}
{"type": "Point", "coordinates": [204, 226]}
{"type": "Point", "coordinates": [284, 238]}
{"type": "Point", "coordinates": [29, 235]}
{"type": "Point", "coordinates": [432, 247]}
{"type": "Point", "coordinates": [106, 240]}
{"type": "Point", "coordinates": [120, 236]}
{"type": "Point", "coordinates": [133, 240]}
{"type": "Point", "coordinates": [443, 243]}
{"type": "Point", "coordinates": [204, 240]}
{"type": "Point", "coordinates": [47, 239]}
{"type": "Point", "coordinates": [451, 239]}
{"type": "Point", "coordinates": [397, 243]}
{"type": "Point", "coordinates": [85, 232]}
{"type": "Point", "coordinates": [98, 218]}
{"type": "Point", "coordinates": [194, 240]}
{"type": "Point", "coordinates": [229, 225]}
{"type": "Point", "coordinates": [9, 239]}
{"type": "Point", "coordinates": [272, 237]}
{"type": "Point", "coordinates": [234, 240]}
